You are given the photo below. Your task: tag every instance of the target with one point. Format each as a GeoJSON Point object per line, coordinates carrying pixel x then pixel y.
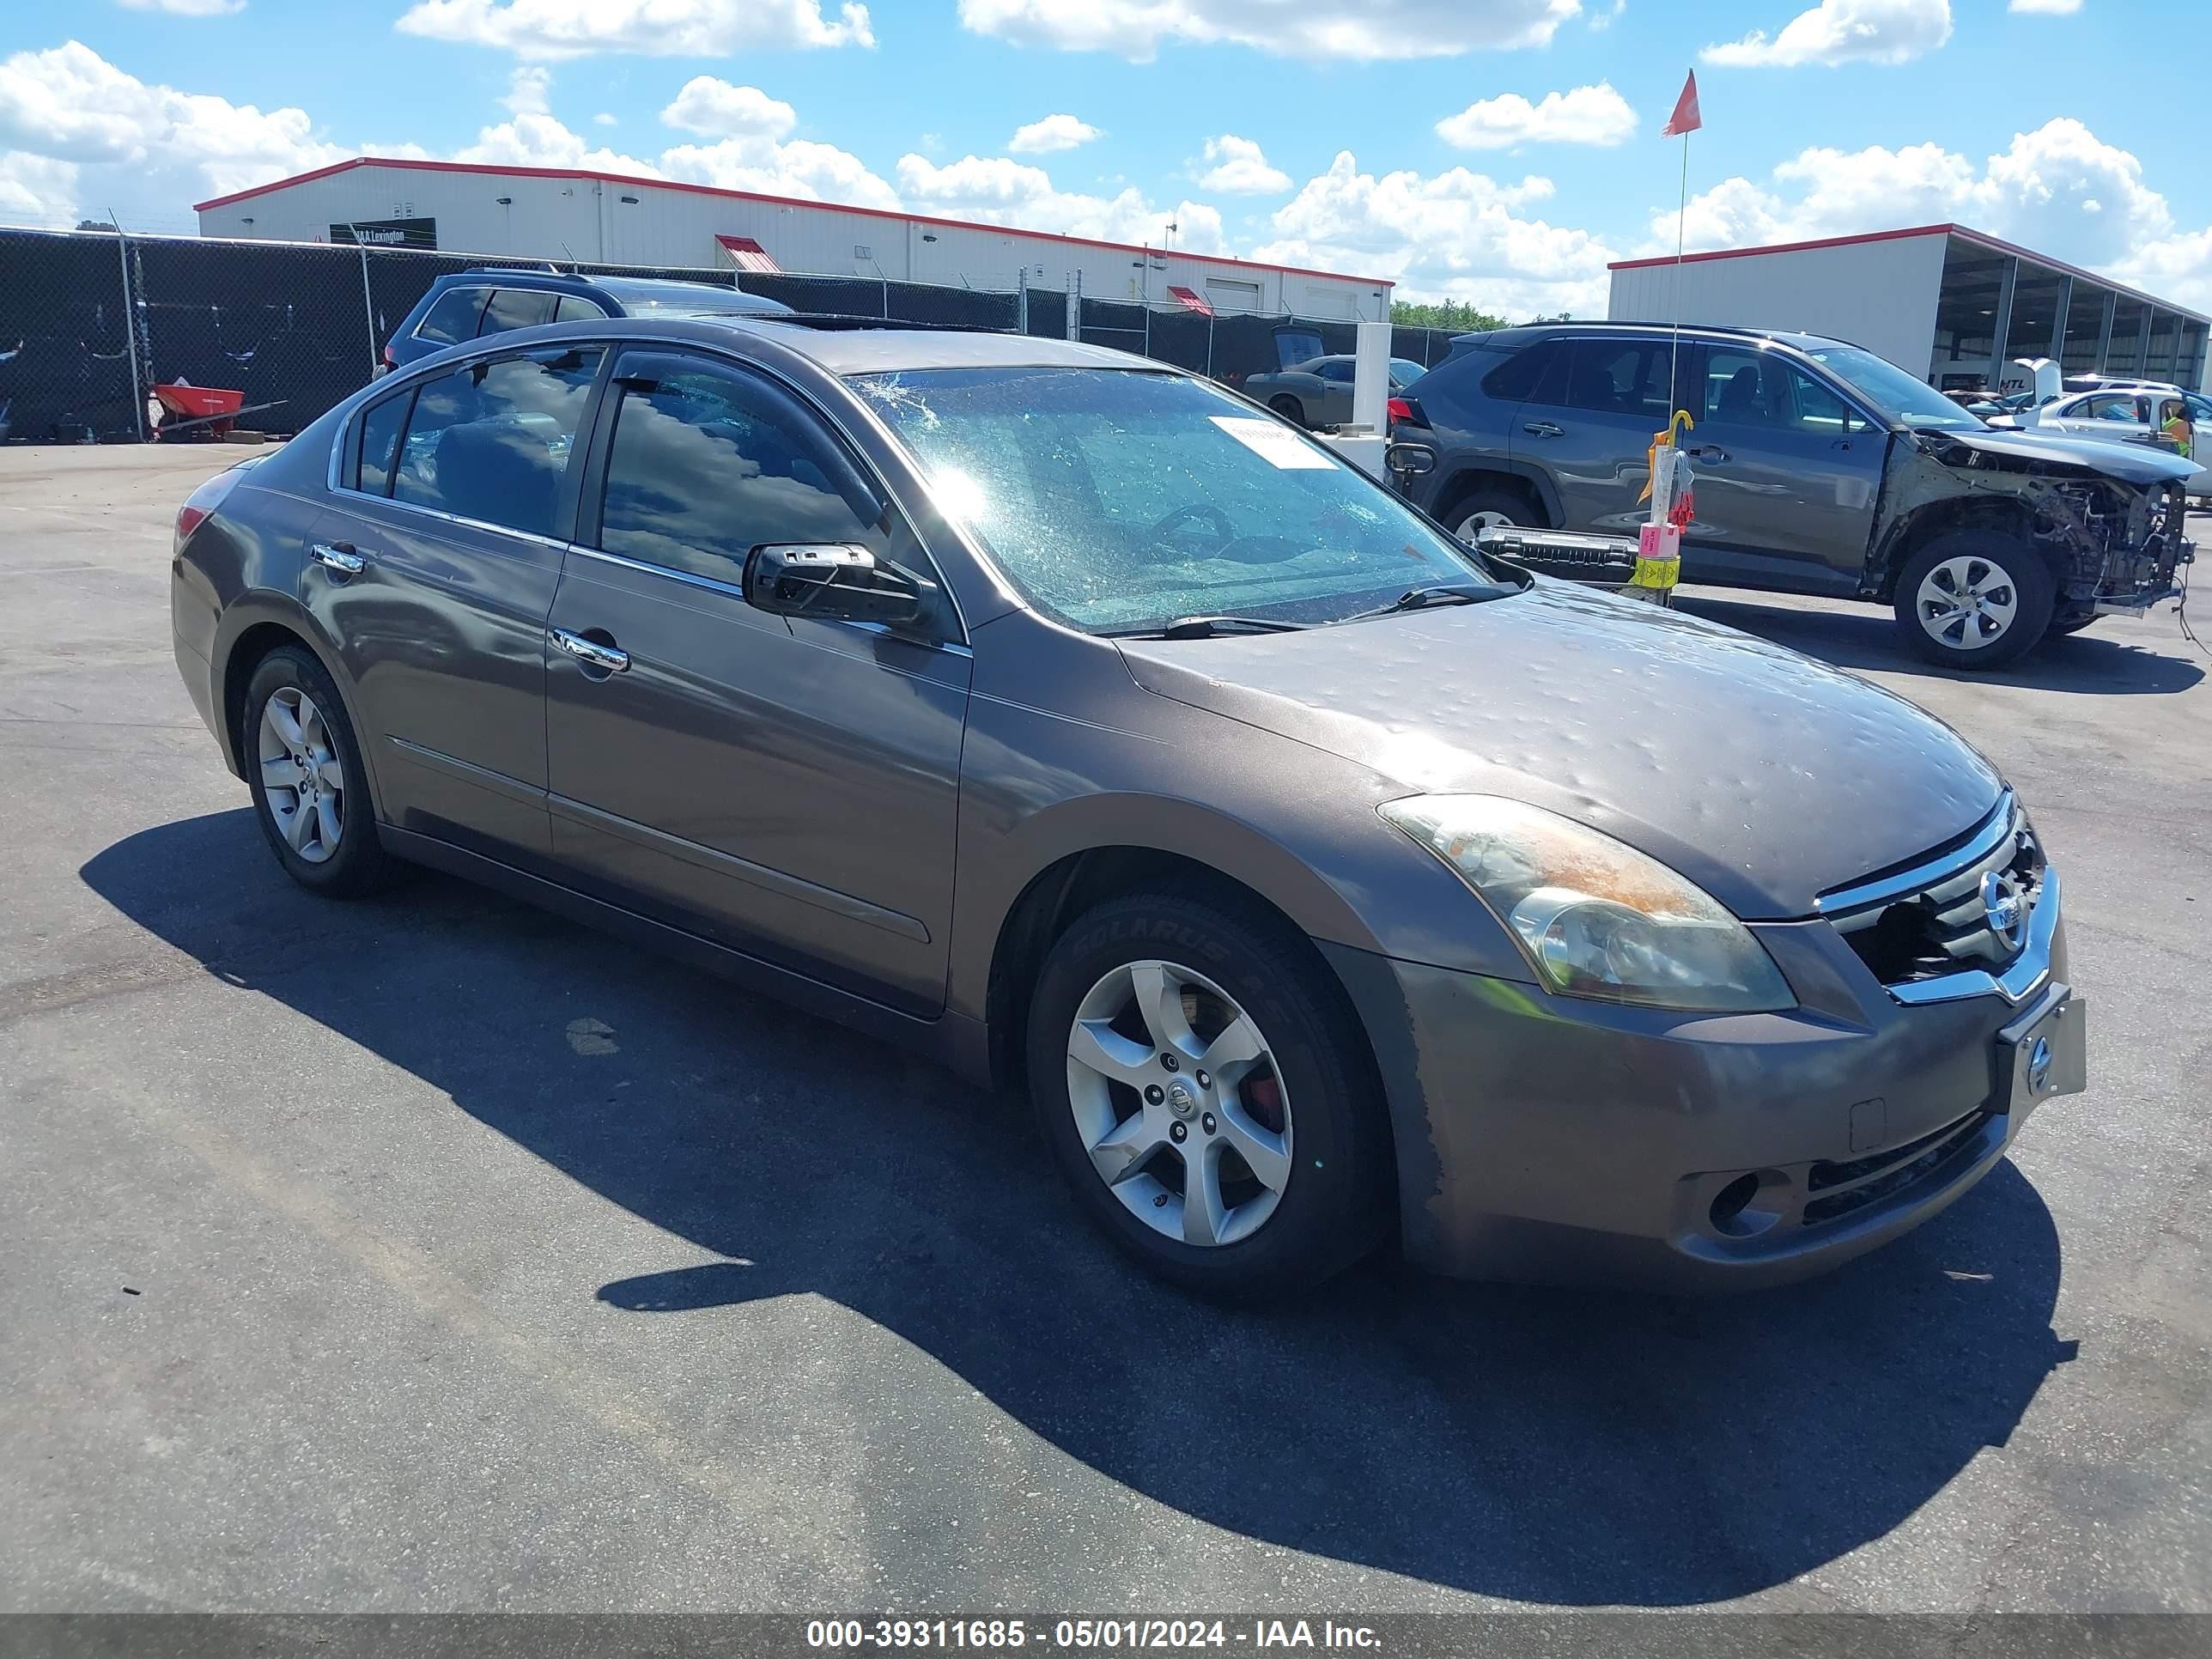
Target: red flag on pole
{"type": "Point", "coordinates": [1686, 118]}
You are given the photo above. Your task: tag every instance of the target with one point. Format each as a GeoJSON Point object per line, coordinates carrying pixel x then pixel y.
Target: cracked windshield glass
{"type": "Point", "coordinates": [1119, 500]}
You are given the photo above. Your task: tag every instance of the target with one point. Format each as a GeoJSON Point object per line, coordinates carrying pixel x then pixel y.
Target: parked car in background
{"type": "Point", "coordinates": [1306, 908]}
{"type": "Point", "coordinates": [469, 305]}
{"type": "Point", "coordinates": [2134, 415]}
{"type": "Point", "coordinates": [1820, 468]}
{"type": "Point", "coordinates": [1317, 392]}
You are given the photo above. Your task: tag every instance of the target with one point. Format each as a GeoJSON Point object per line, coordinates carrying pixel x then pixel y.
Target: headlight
{"type": "Point", "coordinates": [1595, 918]}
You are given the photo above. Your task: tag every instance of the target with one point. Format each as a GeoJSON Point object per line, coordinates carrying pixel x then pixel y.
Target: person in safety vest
{"type": "Point", "coordinates": [2175, 424]}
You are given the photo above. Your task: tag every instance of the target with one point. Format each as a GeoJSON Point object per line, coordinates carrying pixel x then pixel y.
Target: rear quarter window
{"type": "Point", "coordinates": [453, 317]}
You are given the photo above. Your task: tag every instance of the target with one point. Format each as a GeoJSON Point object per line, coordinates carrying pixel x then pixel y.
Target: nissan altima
{"type": "Point", "coordinates": [1320, 883]}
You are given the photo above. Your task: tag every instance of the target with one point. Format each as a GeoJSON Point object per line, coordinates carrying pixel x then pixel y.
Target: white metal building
{"type": "Point", "coordinates": [1943, 301]}
{"type": "Point", "coordinates": [551, 213]}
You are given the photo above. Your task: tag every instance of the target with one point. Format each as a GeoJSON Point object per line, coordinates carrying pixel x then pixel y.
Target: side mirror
{"type": "Point", "coordinates": [834, 581]}
{"type": "Point", "coordinates": [1406, 462]}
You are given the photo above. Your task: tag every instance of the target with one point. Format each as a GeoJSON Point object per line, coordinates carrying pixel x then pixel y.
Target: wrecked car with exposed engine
{"type": "Point", "coordinates": [1819, 468]}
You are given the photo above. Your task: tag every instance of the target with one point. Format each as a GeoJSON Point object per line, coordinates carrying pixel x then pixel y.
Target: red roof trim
{"type": "Point", "coordinates": [480, 167]}
{"type": "Point", "coordinates": [1790, 247]}
{"type": "Point", "coordinates": [1963, 232]}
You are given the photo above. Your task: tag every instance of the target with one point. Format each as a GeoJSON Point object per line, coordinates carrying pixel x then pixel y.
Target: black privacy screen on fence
{"type": "Point", "coordinates": [90, 320]}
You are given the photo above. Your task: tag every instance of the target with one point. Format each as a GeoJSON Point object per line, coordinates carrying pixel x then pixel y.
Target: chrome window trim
{"type": "Point", "coordinates": [2003, 821]}
{"type": "Point", "coordinates": [2018, 983]}
{"type": "Point", "coordinates": [733, 590]}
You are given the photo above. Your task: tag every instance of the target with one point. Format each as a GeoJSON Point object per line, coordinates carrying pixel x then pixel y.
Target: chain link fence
{"type": "Point", "coordinates": [91, 321]}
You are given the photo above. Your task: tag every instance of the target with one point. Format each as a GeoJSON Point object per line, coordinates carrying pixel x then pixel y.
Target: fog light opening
{"type": "Point", "coordinates": [1736, 1211]}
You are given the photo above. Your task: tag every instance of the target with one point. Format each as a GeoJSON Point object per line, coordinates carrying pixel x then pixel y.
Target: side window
{"type": "Point", "coordinates": [1515, 380]}
{"type": "Point", "coordinates": [568, 308]}
{"type": "Point", "coordinates": [491, 440]}
{"type": "Point", "coordinates": [453, 317]}
{"type": "Point", "coordinates": [1738, 388]}
{"type": "Point", "coordinates": [1618, 377]}
{"type": "Point", "coordinates": [2111, 406]}
{"type": "Point", "coordinates": [708, 463]}
{"type": "Point", "coordinates": [1814, 409]}
{"type": "Point", "coordinates": [1336, 372]}
{"type": "Point", "coordinates": [380, 443]}
{"type": "Point", "coordinates": [516, 308]}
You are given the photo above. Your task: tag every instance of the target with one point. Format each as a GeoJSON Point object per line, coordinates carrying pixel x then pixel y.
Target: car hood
{"type": "Point", "coordinates": [2132, 463]}
{"type": "Point", "coordinates": [1764, 776]}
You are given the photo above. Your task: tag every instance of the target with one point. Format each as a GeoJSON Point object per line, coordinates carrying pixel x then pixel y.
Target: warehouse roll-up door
{"type": "Point", "coordinates": [1225, 295]}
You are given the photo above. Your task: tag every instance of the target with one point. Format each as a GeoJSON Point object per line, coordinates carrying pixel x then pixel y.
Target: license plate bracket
{"type": "Point", "coordinates": [2044, 1054]}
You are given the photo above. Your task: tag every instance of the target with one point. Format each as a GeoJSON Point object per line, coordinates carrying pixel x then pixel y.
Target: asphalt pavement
{"type": "Point", "coordinates": [432, 1253]}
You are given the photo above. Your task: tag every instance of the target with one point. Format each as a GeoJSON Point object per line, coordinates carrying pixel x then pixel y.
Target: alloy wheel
{"type": "Point", "coordinates": [1179, 1104]}
{"type": "Point", "coordinates": [1967, 603]}
{"type": "Point", "coordinates": [302, 779]}
{"type": "Point", "coordinates": [1475, 523]}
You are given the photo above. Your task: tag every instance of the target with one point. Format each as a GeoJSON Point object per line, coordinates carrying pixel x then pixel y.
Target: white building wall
{"type": "Point", "coordinates": [1878, 295]}
{"type": "Point", "coordinates": [590, 220]}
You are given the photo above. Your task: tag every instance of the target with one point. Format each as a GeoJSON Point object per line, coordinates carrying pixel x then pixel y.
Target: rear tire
{"type": "Point", "coordinates": [1481, 509]}
{"type": "Point", "coordinates": [311, 793]}
{"type": "Point", "coordinates": [1288, 407]}
{"type": "Point", "coordinates": [1222, 985]}
{"type": "Point", "coordinates": [1974, 599]}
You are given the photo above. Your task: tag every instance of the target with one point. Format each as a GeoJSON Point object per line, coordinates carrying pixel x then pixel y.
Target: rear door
{"type": "Point", "coordinates": [1787, 470]}
{"type": "Point", "coordinates": [1588, 424]}
{"type": "Point", "coordinates": [786, 786]}
{"type": "Point", "coordinates": [433, 574]}
{"type": "Point", "coordinates": [510, 308]}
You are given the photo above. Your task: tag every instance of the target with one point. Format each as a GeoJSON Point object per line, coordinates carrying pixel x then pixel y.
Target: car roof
{"type": "Point", "coordinates": [846, 350]}
{"type": "Point", "coordinates": [1528, 334]}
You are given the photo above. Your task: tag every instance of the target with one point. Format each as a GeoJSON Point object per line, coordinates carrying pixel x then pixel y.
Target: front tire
{"type": "Point", "coordinates": [310, 790]}
{"type": "Point", "coordinates": [1208, 1098]}
{"type": "Point", "coordinates": [1974, 599]}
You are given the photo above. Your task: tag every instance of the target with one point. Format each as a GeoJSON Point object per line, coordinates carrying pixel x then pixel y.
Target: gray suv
{"type": "Point", "coordinates": [1820, 468]}
{"type": "Point", "coordinates": [1093, 729]}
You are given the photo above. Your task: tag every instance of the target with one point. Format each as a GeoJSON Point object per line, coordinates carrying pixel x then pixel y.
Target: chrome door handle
{"type": "Point", "coordinates": [1543, 429]}
{"type": "Point", "coordinates": [339, 558]}
{"type": "Point", "coordinates": [591, 652]}
{"type": "Point", "coordinates": [1710, 452]}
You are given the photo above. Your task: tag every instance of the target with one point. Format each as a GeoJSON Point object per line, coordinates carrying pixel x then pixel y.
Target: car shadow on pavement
{"type": "Point", "coordinates": [1866, 638]}
{"type": "Point", "coordinates": [1535, 1445]}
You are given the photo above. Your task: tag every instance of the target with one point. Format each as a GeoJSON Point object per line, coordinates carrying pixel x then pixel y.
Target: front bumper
{"type": "Point", "coordinates": [1560, 1141]}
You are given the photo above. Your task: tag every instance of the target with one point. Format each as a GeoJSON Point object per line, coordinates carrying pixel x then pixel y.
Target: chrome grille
{"type": "Point", "coordinates": [1937, 916]}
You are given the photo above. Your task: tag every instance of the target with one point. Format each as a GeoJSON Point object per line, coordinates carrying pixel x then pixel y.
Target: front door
{"type": "Point", "coordinates": [787, 787]}
{"type": "Point", "coordinates": [1788, 472]}
{"type": "Point", "coordinates": [434, 572]}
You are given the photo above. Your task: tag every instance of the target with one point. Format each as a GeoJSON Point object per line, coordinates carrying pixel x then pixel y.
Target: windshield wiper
{"type": "Point", "coordinates": [1417, 598]}
{"type": "Point", "coordinates": [1202, 628]}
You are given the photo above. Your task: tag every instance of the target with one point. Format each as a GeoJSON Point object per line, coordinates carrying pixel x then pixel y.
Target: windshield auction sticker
{"type": "Point", "coordinates": [1276, 445]}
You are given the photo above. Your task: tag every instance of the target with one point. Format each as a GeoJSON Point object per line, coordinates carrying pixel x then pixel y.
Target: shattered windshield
{"type": "Point", "coordinates": [1118, 499]}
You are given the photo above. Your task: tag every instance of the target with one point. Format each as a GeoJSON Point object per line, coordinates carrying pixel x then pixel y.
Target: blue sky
{"type": "Point", "coordinates": [1497, 150]}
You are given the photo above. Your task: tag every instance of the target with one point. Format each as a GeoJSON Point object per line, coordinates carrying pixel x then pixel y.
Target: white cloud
{"type": "Point", "coordinates": [530, 90]}
{"type": "Point", "coordinates": [688, 28]}
{"type": "Point", "coordinates": [187, 8]}
{"type": "Point", "coordinates": [999, 189]}
{"type": "Point", "coordinates": [132, 141]}
{"type": "Point", "coordinates": [1606, 20]}
{"type": "Point", "coordinates": [1055, 132]}
{"type": "Point", "coordinates": [715, 107]}
{"type": "Point", "coordinates": [1844, 31]}
{"type": "Point", "coordinates": [2060, 190]}
{"type": "Point", "coordinates": [37, 190]}
{"type": "Point", "coordinates": [1458, 235]}
{"type": "Point", "coordinates": [1327, 29]}
{"type": "Point", "coordinates": [2047, 8]}
{"type": "Point", "coordinates": [810, 171]}
{"type": "Point", "coordinates": [1587, 115]}
{"type": "Point", "coordinates": [604, 119]}
{"type": "Point", "coordinates": [1241, 168]}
